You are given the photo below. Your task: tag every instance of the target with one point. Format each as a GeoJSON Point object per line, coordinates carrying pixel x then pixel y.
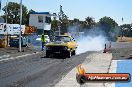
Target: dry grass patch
{"type": "Point", "coordinates": [124, 39]}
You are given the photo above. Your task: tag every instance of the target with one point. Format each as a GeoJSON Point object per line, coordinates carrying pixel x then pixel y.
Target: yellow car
{"type": "Point", "coordinates": [63, 44]}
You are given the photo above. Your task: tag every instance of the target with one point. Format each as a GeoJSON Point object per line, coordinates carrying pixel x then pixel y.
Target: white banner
{"type": "Point", "coordinates": [14, 29]}
{"type": "Point", "coordinates": [3, 28]}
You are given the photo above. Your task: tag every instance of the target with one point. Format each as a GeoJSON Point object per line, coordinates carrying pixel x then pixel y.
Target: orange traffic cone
{"type": "Point", "coordinates": [105, 49]}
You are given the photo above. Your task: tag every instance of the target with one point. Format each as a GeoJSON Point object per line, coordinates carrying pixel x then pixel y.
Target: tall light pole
{"type": "Point", "coordinates": [60, 19]}
{"type": "Point", "coordinates": [6, 10]}
{"type": "Point", "coordinates": [7, 20]}
{"type": "Point", "coordinates": [0, 5]}
{"type": "Point", "coordinates": [20, 26]}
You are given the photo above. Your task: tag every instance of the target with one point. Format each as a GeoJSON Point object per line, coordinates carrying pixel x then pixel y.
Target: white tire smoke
{"type": "Point", "coordinates": [90, 43]}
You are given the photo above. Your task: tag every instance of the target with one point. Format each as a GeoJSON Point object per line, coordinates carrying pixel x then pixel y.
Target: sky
{"type": "Point", "coordinates": [116, 9]}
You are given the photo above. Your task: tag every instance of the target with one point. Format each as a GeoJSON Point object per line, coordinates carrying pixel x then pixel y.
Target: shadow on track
{"type": "Point", "coordinates": [55, 56]}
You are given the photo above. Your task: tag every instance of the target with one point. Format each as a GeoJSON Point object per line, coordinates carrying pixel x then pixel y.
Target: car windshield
{"type": "Point", "coordinates": [62, 38]}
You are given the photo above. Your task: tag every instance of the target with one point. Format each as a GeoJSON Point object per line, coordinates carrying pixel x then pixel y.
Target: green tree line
{"type": "Point", "coordinates": [107, 24]}
{"type": "Point", "coordinates": [13, 13]}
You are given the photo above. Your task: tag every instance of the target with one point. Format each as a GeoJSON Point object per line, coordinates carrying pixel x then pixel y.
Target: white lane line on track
{"type": "Point", "coordinates": [4, 56]}
{"type": "Point", "coordinates": [113, 68]}
{"type": "Point", "coordinates": [13, 58]}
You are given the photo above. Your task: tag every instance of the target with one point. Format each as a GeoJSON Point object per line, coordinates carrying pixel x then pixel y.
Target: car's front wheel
{"type": "Point", "coordinates": [47, 54]}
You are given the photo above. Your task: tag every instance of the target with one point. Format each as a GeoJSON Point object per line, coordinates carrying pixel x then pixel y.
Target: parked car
{"type": "Point", "coordinates": [14, 42]}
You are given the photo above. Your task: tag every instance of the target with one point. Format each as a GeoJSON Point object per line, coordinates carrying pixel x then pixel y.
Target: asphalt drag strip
{"type": "Point", "coordinates": [37, 71]}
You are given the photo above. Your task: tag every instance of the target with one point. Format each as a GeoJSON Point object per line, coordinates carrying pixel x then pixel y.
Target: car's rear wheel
{"type": "Point", "coordinates": [74, 52]}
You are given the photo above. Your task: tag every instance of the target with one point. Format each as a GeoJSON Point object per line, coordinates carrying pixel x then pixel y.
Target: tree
{"type": "Point", "coordinates": [127, 30]}
{"type": "Point", "coordinates": [89, 22]}
{"type": "Point", "coordinates": [31, 11]}
{"type": "Point", "coordinates": [13, 13]}
{"type": "Point", "coordinates": [63, 21]}
{"type": "Point", "coordinates": [109, 26]}
{"type": "Point", "coordinates": [74, 27]}
{"type": "Point", "coordinates": [54, 25]}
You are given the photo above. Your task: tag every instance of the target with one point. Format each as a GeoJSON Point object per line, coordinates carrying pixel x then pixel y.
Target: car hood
{"type": "Point", "coordinates": [57, 43]}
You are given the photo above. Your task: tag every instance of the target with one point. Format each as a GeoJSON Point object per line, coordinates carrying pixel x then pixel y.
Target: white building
{"type": "Point", "coordinates": [41, 20]}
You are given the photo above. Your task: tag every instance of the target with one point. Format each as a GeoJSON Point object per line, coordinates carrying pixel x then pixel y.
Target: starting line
{"type": "Point", "coordinates": [8, 57]}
